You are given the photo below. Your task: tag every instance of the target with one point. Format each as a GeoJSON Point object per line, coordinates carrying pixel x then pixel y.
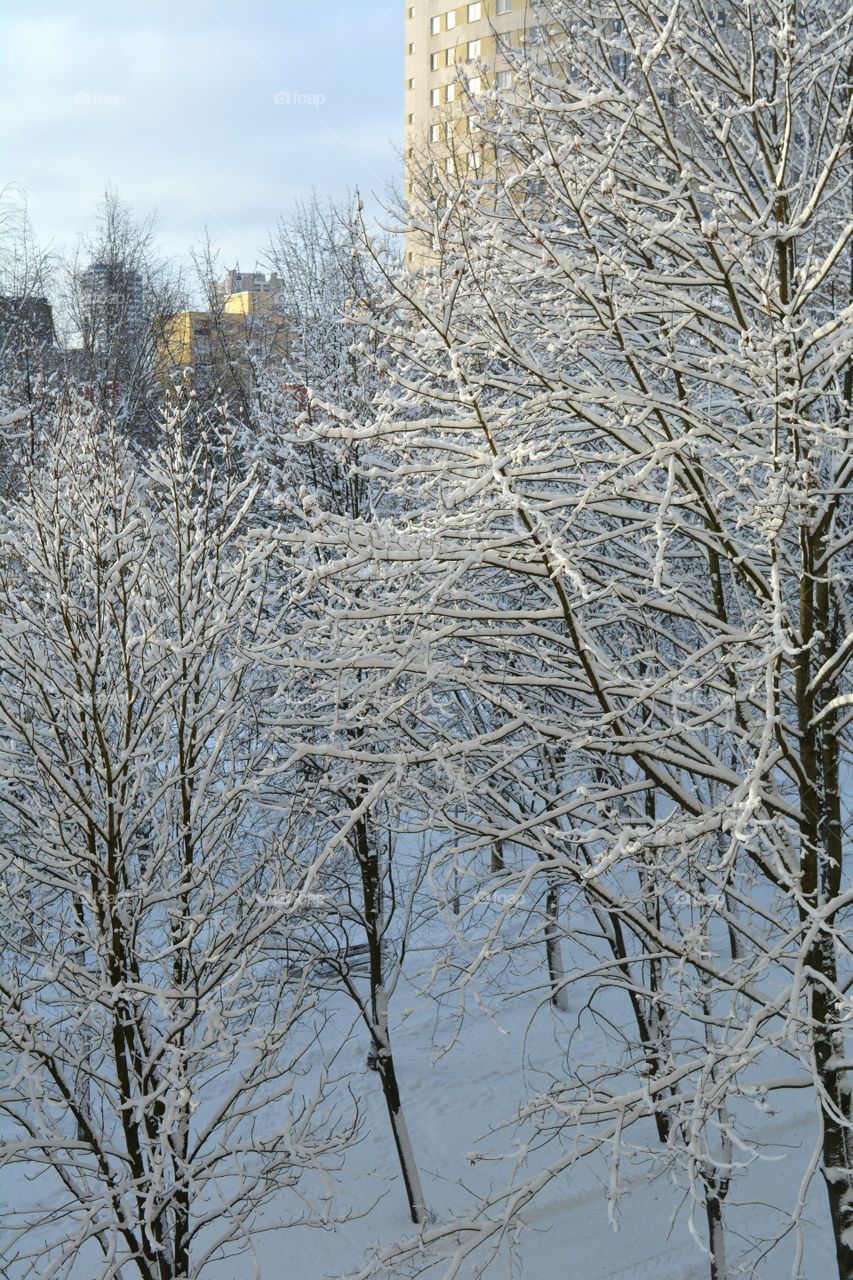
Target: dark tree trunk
{"type": "Point", "coordinates": [374, 926]}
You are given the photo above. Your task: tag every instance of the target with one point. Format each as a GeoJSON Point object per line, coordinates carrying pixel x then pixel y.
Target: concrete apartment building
{"type": "Point", "coordinates": [443, 39]}
{"type": "Point", "coordinates": [111, 305]}
{"type": "Point", "coordinates": [225, 346]}
{"type": "Point", "coordinates": [451, 51]}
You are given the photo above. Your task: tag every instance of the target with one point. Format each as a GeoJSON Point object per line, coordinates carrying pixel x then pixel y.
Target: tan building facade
{"type": "Point", "coordinates": [444, 40]}
{"type": "Point", "coordinates": [452, 53]}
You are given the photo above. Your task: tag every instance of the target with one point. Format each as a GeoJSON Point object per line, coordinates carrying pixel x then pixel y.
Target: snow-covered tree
{"type": "Point", "coordinates": [327, 285]}
{"type": "Point", "coordinates": [119, 294]}
{"type": "Point", "coordinates": [152, 1043]}
{"type": "Point", "coordinates": [619, 428]}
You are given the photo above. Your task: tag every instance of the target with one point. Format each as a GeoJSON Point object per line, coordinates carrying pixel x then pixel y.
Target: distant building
{"type": "Point", "coordinates": [26, 318]}
{"type": "Point", "coordinates": [224, 350]}
{"type": "Point", "coordinates": [245, 302]}
{"type": "Point", "coordinates": [266, 329]}
{"type": "Point", "coordinates": [260, 288]}
{"type": "Point", "coordinates": [111, 304]}
{"type": "Point", "coordinates": [189, 342]}
{"type": "Point", "coordinates": [453, 52]}
{"type": "Point", "coordinates": [450, 50]}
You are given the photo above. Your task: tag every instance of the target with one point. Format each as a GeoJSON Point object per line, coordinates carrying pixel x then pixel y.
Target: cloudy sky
{"type": "Point", "coordinates": [219, 114]}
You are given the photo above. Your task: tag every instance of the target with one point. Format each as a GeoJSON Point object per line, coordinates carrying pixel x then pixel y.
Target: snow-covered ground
{"type": "Point", "coordinates": [455, 1098]}
{"type": "Point", "coordinates": [461, 1079]}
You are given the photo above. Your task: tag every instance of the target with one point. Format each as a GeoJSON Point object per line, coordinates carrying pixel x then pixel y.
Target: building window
{"type": "Point", "coordinates": [504, 6]}
{"type": "Point", "coordinates": [476, 159]}
{"type": "Point", "coordinates": [503, 79]}
{"type": "Point", "coordinates": [434, 97]}
{"type": "Point", "coordinates": [448, 164]}
{"type": "Point", "coordinates": [449, 57]}
{"type": "Point", "coordinates": [450, 93]}
{"type": "Point", "coordinates": [451, 20]}
{"type": "Point", "coordinates": [412, 47]}
{"type": "Point", "coordinates": [435, 26]}
{"type": "Point", "coordinates": [412, 83]}
{"type": "Point", "coordinates": [411, 11]}
{"type": "Point", "coordinates": [435, 133]}
{"type": "Point", "coordinates": [411, 117]}
{"type": "Point", "coordinates": [434, 61]}
{"type": "Point", "coordinates": [475, 12]}
{"type": "Point", "coordinates": [474, 85]}
{"type": "Point", "coordinates": [473, 49]}
{"type": "Point", "coordinates": [448, 130]}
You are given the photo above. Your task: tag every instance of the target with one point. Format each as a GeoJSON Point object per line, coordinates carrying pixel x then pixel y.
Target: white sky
{"type": "Point", "coordinates": [173, 104]}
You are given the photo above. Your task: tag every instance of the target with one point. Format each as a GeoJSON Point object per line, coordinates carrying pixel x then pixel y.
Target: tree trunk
{"type": "Point", "coordinates": [837, 1161]}
{"type": "Point", "coordinates": [821, 864]}
{"type": "Point", "coordinates": [716, 1232]}
{"type": "Point", "coordinates": [391, 1093]}
{"type": "Point", "coordinates": [374, 925]}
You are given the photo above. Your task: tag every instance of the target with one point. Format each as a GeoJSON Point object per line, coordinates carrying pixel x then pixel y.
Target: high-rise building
{"type": "Point", "coordinates": [111, 305]}
{"type": "Point", "coordinates": [452, 52]}
{"type": "Point", "coordinates": [445, 41]}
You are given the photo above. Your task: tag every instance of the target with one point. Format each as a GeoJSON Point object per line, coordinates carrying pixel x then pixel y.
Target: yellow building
{"type": "Point", "coordinates": [259, 286]}
{"type": "Point", "coordinates": [225, 349]}
{"type": "Point", "coordinates": [444, 40]}
{"type": "Point", "coordinates": [185, 341]}
{"type": "Point", "coordinates": [249, 304]}
{"type": "Point", "coordinates": [268, 332]}
{"type": "Point", "coordinates": [205, 342]}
